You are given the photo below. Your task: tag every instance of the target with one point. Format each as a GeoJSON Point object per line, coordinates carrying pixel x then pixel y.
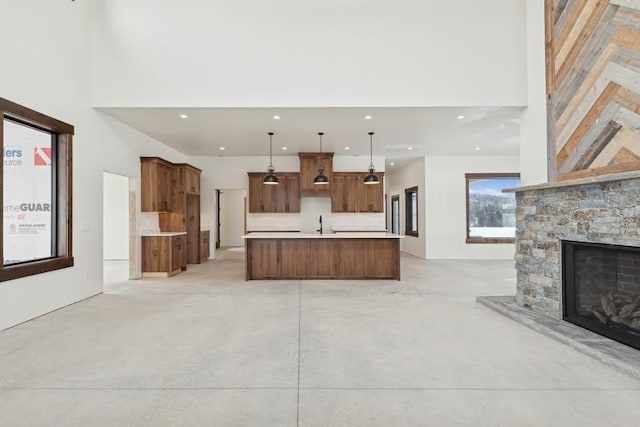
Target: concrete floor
{"type": "Point", "coordinates": [208, 348]}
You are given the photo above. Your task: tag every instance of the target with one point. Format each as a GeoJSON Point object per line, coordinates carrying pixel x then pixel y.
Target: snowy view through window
{"type": "Point", "coordinates": [492, 212]}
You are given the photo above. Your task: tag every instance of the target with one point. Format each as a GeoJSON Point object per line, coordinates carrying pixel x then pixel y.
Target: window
{"type": "Point", "coordinates": [491, 216]}
{"type": "Point", "coordinates": [36, 192]}
{"type": "Point", "coordinates": [411, 203]}
{"type": "Point", "coordinates": [395, 214]}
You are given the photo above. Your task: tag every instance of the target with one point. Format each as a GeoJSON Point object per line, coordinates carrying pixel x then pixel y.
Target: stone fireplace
{"type": "Point", "coordinates": [602, 210]}
{"type": "Point", "coordinates": [601, 289]}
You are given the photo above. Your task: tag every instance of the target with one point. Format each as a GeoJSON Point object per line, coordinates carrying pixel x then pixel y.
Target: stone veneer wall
{"type": "Point", "coordinates": [604, 212]}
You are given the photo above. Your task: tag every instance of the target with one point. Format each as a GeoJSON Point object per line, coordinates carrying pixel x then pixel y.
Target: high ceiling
{"type": "Point", "coordinates": [401, 134]}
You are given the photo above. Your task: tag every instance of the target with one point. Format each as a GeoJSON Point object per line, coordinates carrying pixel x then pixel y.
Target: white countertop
{"type": "Point", "coordinates": [345, 235]}
{"type": "Point", "coordinates": [164, 234]}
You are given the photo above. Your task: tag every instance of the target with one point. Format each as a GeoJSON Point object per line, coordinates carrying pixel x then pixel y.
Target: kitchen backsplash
{"type": "Point", "coordinates": [308, 219]}
{"type": "Point", "coordinates": [149, 222]}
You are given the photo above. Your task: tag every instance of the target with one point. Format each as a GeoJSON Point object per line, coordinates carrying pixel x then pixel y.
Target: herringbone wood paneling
{"type": "Point", "coordinates": [593, 53]}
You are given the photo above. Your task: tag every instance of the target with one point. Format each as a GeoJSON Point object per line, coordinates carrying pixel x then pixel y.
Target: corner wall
{"type": "Point", "coordinates": [47, 68]}
{"type": "Point", "coordinates": [446, 206]}
{"type": "Point", "coordinates": [411, 175]}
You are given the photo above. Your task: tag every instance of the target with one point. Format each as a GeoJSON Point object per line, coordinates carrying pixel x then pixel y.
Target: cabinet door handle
{"type": "Point", "coordinates": [154, 252]}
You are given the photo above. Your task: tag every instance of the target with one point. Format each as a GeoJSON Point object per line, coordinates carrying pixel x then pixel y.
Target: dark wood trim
{"type": "Point", "coordinates": [407, 212]}
{"type": "Point", "coordinates": [10, 272]}
{"type": "Point", "coordinates": [26, 115]}
{"type": "Point", "coordinates": [490, 240]}
{"type": "Point", "coordinates": [474, 176]}
{"type": "Point", "coordinates": [63, 192]}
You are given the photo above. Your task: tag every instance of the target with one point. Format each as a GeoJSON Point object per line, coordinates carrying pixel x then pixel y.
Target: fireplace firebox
{"type": "Point", "coordinates": [601, 289]}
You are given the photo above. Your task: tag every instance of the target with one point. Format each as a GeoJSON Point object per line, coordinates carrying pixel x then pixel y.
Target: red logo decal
{"type": "Point", "coordinates": [42, 156]}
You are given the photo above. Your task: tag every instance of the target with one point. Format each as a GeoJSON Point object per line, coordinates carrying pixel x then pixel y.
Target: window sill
{"type": "Point", "coordinates": [32, 268]}
{"type": "Point", "coordinates": [490, 240]}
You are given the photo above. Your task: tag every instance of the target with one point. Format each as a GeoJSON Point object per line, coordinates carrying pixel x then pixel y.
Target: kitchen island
{"type": "Point", "coordinates": [291, 255]}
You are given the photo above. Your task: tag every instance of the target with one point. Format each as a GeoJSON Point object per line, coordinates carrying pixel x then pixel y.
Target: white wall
{"type": "Point", "coordinates": [115, 217]}
{"type": "Point", "coordinates": [409, 176]}
{"type": "Point", "coordinates": [446, 206]}
{"type": "Point", "coordinates": [232, 217]}
{"type": "Point", "coordinates": [47, 68]}
{"type": "Point", "coordinates": [533, 124]}
{"type": "Point", "coordinates": [320, 53]}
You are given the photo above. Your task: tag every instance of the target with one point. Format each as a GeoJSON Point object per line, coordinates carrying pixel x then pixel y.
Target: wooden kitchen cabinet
{"type": "Point", "coordinates": [281, 198]}
{"type": "Point", "coordinates": [204, 246]}
{"type": "Point", "coordinates": [309, 165]}
{"type": "Point", "coordinates": [188, 178]}
{"type": "Point", "coordinates": [163, 256]}
{"type": "Point", "coordinates": [158, 185]}
{"type": "Point", "coordinates": [351, 194]}
{"type": "Point", "coordinates": [173, 190]}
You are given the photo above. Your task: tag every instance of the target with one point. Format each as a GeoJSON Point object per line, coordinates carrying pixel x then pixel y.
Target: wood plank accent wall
{"type": "Point", "coordinates": [593, 85]}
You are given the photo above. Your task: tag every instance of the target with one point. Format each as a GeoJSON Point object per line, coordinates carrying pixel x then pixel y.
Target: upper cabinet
{"type": "Point", "coordinates": [310, 163]}
{"type": "Point", "coordinates": [158, 185]}
{"type": "Point", "coordinates": [281, 198]}
{"type": "Point", "coordinates": [188, 178]}
{"type": "Point", "coordinates": [165, 184]}
{"type": "Point", "coordinates": [351, 194]}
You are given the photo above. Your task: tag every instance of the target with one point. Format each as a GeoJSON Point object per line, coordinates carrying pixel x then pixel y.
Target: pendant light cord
{"type": "Point", "coordinates": [371, 149]}
{"type": "Point", "coordinates": [270, 151]}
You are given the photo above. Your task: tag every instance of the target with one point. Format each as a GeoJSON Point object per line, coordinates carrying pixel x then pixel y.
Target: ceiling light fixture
{"type": "Point", "coordinates": [477, 148]}
{"type": "Point", "coordinates": [222, 148]}
{"type": "Point", "coordinates": [460, 117]}
{"type": "Point", "coordinates": [276, 117]}
{"type": "Point", "coordinates": [371, 178]}
{"type": "Point", "coordinates": [321, 178]}
{"type": "Point", "coordinates": [270, 178]}
{"type": "Point", "coordinates": [183, 116]}
{"type": "Point", "coordinates": [284, 148]}
{"type": "Point", "coordinates": [392, 164]}
{"type": "Point", "coordinates": [347, 148]}
{"type": "Point", "coordinates": [409, 148]}
{"type": "Point", "coordinates": [367, 117]}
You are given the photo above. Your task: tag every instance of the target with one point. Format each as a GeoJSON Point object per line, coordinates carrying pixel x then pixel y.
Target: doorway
{"type": "Point", "coordinates": [395, 214]}
{"type": "Point", "coordinates": [231, 217]}
{"type": "Point", "coordinates": [118, 229]}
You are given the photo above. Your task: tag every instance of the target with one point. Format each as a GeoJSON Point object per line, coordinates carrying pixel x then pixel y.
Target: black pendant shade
{"type": "Point", "coordinates": [270, 178]}
{"type": "Point", "coordinates": [372, 178]}
{"type": "Point", "coordinates": [321, 178]}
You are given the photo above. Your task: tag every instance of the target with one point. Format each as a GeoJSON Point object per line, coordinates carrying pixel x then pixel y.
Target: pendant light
{"type": "Point", "coordinates": [270, 178]}
{"type": "Point", "coordinates": [371, 178]}
{"type": "Point", "coordinates": [321, 178]}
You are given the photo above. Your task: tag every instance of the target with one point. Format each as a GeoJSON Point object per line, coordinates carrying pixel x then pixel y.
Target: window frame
{"type": "Point", "coordinates": [408, 202]}
{"type": "Point", "coordinates": [475, 176]}
{"type": "Point", "coordinates": [61, 192]}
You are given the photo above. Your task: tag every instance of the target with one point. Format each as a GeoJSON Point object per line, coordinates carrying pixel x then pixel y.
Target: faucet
{"type": "Point", "coordinates": [320, 229]}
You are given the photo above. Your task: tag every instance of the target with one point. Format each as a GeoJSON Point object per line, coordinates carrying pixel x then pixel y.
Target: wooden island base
{"type": "Point", "coordinates": [322, 258]}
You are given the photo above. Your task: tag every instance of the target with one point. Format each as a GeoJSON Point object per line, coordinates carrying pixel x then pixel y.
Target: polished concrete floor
{"type": "Point", "coordinates": [206, 348]}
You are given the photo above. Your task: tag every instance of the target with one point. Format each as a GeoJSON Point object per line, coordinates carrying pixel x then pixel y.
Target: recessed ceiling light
{"type": "Point", "coordinates": [284, 148]}
{"type": "Point", "coordinates": [183, 116]}
{"type": "Point", "coordinates": [477, 148]}
{"type": "Point", "coordinates": [276, 117]}
{"type": "Point", "coordinates": [502, 125]}
{"type": "Point", "coordinates": [409, 148]}
{"type": "Point", "coordinates": [460, 117]}
{"type": "Point", "coordinates": [392, 164]}
{"type": "Point", "coordinates": [367, 117]}
{"type": "Point", "coordinates": [222, 148]}
{"type": "Point", "coordinates": [347, 148]}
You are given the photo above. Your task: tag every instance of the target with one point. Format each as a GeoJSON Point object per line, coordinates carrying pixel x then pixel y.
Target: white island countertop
{"type": "Point", "coordinates": [163, 234]}
{"type": "Point", "coordinates": [344, 235]}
